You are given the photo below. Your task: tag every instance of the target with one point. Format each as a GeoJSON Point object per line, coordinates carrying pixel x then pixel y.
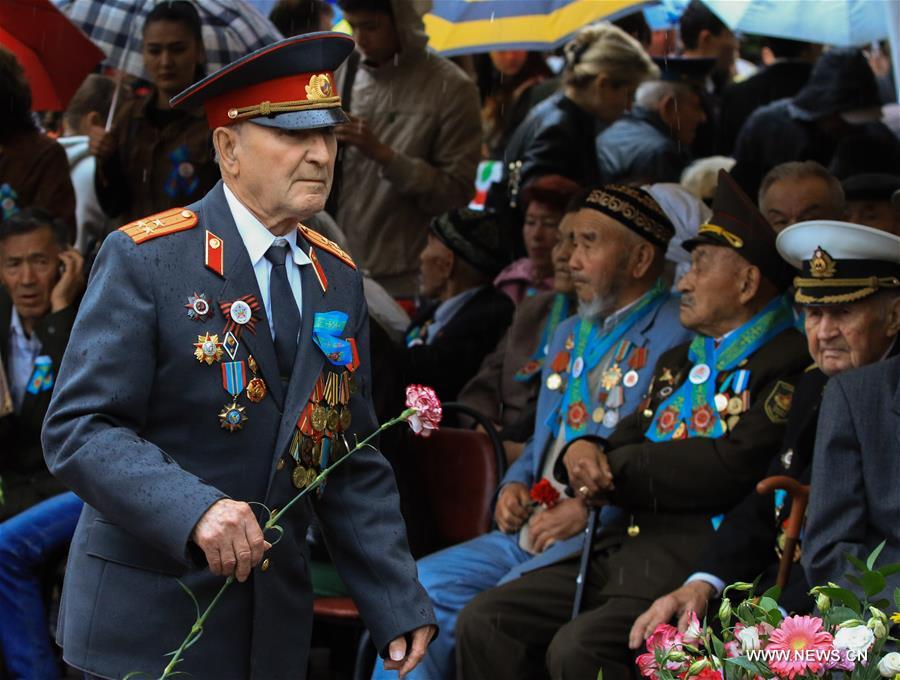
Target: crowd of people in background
{"type": "Point", "coordinates": [656, 223]}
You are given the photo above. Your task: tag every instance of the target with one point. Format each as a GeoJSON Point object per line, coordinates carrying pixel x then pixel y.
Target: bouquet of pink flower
{"type": "Point", "coordinates": [845, 640]}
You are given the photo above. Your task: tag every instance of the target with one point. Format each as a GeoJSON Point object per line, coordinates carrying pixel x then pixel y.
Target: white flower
{"type": "Point", "coordinates": [889, 665]}
{"type": "Point", "coordinates": [856, 640]}
{"type": "Point", "coordinates": [749, 638]}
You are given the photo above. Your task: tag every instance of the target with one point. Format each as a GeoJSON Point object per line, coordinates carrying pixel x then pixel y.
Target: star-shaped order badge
{"type": "Point", "coordinates": [232, 417]}
{"type": "Point", "coordinates": [208, 349]}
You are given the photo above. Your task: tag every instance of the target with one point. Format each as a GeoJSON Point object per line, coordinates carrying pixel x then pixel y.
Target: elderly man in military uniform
{"type": "Point", "coordinates": [597, 369]}
{"type": "Point", "coordinates": [715, 409]}
{"type": "Point", "coordinates": [848, 324]}
{"type": "Point", "coordinates": [219, 361]}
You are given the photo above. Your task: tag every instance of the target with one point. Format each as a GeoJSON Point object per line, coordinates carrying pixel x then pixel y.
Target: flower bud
{"type": "Point", "coordinates": [850, 623]}
{"type": "Point", "coordinates": [823, 602]}
{"type": "Point", "coordinates": [878, 614]}
{"type": "Point", "coordinates": [742, 586]}
{"type": "Point", "coordinates": [676, 656]}
{"type": "Point", "coordinates": [697, 667]}
{"type": "Point", "coordinates": [725, 612]}
{"type": "Point", "coordinates": [877, 627]}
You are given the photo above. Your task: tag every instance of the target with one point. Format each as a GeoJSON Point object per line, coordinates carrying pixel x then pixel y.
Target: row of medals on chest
{"type": "Point", "coordinates": [325, 416]}
{"type": "Point", "coordinates": [729, 406]}
{"type": "Point", "coordinates": [613, 381]}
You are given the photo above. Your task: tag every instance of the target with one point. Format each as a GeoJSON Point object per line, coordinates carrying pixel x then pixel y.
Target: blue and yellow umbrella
{"type": "Point", "coordinates": [471, 26]}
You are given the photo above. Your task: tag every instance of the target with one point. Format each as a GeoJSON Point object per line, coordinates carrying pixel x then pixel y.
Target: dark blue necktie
{"type": "Point", "coordinates": [285, 315]}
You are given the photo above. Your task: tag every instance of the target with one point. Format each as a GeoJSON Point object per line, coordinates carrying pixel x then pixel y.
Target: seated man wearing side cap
{"type": "Point", "coordinates": [196, 351]}
{"type": "Point", "coordinates": [467, 316]}
{"type": "Point", "coordinates": [847, 326]}
{"type": "Point", "coordinates": [597, 369]}
{"type": "Point", "coordinates": [690, 451]}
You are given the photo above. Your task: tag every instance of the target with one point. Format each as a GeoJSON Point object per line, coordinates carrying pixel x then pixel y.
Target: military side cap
{"type": "Point", "coordinates": [475, 236]}
{"type": "Point", "coordinates": [635, 209]}
{"type": "Point", "coordinates": [288, 84]}
{"type": "Point", "coordinates": [160, 224]}
{"type": "Point", "coordinates": [737, 223]}
{"type": "Point", "coordinates": [692, 70]}
{"type": "Point", "coordinates": [840, 262]}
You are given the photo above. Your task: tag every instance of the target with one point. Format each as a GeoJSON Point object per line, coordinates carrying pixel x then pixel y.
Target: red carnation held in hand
{"type": "Point", "coordinates": [428, 409]}
{"type": "Point", "coordinates": [544, 493]}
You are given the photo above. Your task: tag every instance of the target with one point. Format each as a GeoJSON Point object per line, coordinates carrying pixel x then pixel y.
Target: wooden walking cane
{"type": "Point", "coordinates": [799, 494]}
{"type": "Point", "coordinates": [585, 561]}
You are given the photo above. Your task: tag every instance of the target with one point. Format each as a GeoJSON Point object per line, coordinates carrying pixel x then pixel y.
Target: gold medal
{"type": "Point", "coordinates": [633, 531]}
{"type": "Point", "coordinates": [597, 415]}
{"type": "Point", "coordinates": [732, 422]}
{"type": "Point", "coordinates": [554, 381]}
{"type": "Point", "coordinates": [208, 349]}
{"type": "Point", "coordinates": [232, 417]}
{"type": "Point", "coordinates": [611, 377]}
{"type": "Point", "coordinates": [317, 453]}
{"type": "Point", "coordinates": [299, 477]}
{"type": "Point", "coordinates": [346, 419]}
{"type": "Point", "coordinates": [735, 406]}
{"type": "Point", "coordinates": [251, 362]}
{"type": "Point", "coordinates": [332, 420]}
{"type": "Point", "coordinates": [721, 402]}
{"type": "Point", "coordinates": [319, 418]}
{"type": "Point", "coordinates": [256, 390]}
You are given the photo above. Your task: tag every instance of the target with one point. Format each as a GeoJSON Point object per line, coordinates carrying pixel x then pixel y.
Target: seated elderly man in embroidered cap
{"type": "Point", "coordinates": [597, 369]}
{"type": "Point", "coordinates": [205, 334]}
{"type": "Point", "coordinates": [692, 448]}
{"type": "Point", "coordinates": [848, 325]}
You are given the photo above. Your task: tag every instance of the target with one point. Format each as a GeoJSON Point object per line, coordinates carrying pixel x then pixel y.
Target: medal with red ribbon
{"type": "Point", "coordinates": [241, 313]}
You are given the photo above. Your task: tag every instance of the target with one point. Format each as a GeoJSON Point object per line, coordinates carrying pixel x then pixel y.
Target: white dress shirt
{"type": "Point", "coordinates": [257, 240]}
{"type": "Point", "coordinates": [22, 353]}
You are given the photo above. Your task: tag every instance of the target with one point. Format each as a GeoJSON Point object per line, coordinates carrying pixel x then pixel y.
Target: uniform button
{"type": "Point", "coordinates": [265, 564]}
{"type": "Point", "coordinates": [186, 213]}
{"type": "Point", "coordinates": [280, 464]}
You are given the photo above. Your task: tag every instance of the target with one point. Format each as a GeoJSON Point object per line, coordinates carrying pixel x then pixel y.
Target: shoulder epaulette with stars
{"type": "Point", "coordinates": [327, 245]}
{"type": "Point", "coordinates": [160, 224]}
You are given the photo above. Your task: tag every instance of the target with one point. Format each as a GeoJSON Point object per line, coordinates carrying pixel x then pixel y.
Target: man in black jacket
{"type": "Point", "coordinates": [448, 340]}
{"type": "Point", "coordinates": [42, 281]}
{"type": "Point", "coordinates": [841, 335]}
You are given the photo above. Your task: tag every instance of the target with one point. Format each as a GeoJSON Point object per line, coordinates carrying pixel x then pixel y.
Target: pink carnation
{"type": "Point", "coordinates": [646, 664]}
{"type": "Point", "coordinates": [708, 674]}
{"type": "Point", "coordinates": [665, 637]}
{"type": "Point", "coordinates": [801, 646]}
{"type": "Point", "coordinates": [428, 409]}
{"type": "Point", "coordinates": [693, 633]}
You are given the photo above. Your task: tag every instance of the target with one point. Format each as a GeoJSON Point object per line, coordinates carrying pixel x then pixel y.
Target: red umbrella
{"type": "Point", "coordinates": [54, 53]}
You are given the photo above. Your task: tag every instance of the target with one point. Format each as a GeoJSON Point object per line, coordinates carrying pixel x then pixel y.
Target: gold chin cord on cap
{"type": "Point", "coordinates": [734, 241]}
{"type": "Point", "coordinates": [274, 108]}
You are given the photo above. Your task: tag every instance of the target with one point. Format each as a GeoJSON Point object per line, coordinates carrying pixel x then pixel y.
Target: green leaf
{"type": "Point", "coordinates": [278, 530]}
{"type": "Point", "coordinates": [843, 596]}
{"type": "Point", "coordinates": [745, 663]}
{"type": "Point", "coordinates": [881, 604]}
{"type": "Point", "coordinates": [855, 580]}
{"type": "Point", "coordinates": [134, 674]}
{"type": "Point", "coordinates": [718, 647]}
{"type": "Point", "coordinates": [897, 597]}
{"type": "Point", "coordinates": [837, 615]}
{"type": "Point", "coordinates": [600, 674]}
{"type": "Point", "coordinates": [889, 569]}
{"type": "Point", "coordinates": [856, 562]}
{"type": "Point", "coordinates": [774, 592]}
{"type": "Point", "coordinates": [870, 563]}
{"type": "Point", "coordinates": [190, 595]}
{"type": "Point", "coordinates": [191, 643]}
{"type": "Point", "coordinates": [774, 617]}
{"type": "Point", "coordinates": [873, 583]}
{"type": "Point", "coordinates": [767, 604]}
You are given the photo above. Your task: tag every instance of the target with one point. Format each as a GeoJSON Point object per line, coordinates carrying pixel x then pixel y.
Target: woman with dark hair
{"type": "Point", "coordinates": [34, 170]}
{"type": "Point", "coordinates": [156, 157]}
{"type": "Point", "coordinates": [545, 201]}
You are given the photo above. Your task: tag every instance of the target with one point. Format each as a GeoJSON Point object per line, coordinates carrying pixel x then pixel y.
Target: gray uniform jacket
{"type": "Point", "coordinates": [853, 503]}
{"type": "Point", "coordinates": [133, 429]}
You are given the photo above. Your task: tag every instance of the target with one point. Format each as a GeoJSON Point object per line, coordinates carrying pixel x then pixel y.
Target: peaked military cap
{"type": "Point", "coordinates": [737, 223]}
{"type": "Point", "coordinates": [288, 84]}
{"type": "Point", "coordinates": [840, 262]}
{"type": "Point", "coordinates": [475, 236]}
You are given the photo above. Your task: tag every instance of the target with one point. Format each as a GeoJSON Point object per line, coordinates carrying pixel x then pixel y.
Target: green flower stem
{"type": "Point", "coordinates": [197, 628]}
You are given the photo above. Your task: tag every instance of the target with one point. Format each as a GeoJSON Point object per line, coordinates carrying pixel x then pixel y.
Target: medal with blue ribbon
{"type": "Point", "coordinates": [183, 176]}
{"type": "Point", "coordinates": [327, 328]}
{"type": "Point", "coordinates": [590, 348]}
{"type": "Point", "coordinates": [41, 379]}
{"type": "Point", "coordinates": [234, 380]}
{"type": "Point", "coordinates": [558, 312]}
{"type": "Point", "coordinates": [691, 411]}
{"type": "Point", "coordinates": [8, 198]}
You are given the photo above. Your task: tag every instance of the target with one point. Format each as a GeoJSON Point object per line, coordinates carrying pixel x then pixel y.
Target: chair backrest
{"type": "Point", "coordinates": [457, 474]}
